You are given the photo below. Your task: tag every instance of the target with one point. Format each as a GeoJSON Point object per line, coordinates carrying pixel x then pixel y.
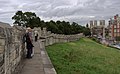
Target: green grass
{"type": "Point", "coordinates": [84, 57]}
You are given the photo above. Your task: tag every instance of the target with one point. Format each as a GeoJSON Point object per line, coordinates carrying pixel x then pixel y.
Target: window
{"type": "Point", "coordinates": [117, 26]}
{"type": "Point", "coordinates": [115, 30]}
{"type": "Point", "coordinates": [114, 26]}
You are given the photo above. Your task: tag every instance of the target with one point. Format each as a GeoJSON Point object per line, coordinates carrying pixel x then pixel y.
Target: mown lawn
{"type": "Point", "coordinates": [84, 57]}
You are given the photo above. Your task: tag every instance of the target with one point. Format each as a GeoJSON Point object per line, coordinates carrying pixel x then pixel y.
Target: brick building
{"type": "Point", "coordinates": [114, 27]}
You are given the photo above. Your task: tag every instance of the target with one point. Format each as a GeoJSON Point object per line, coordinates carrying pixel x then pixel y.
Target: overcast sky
{"type": "Point", "coordinates": [80, 11]}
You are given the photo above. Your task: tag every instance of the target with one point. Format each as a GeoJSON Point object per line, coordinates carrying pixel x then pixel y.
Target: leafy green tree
{"type": "Point", "coordinates": [51, 26]}
{"type": "Point", "coordinates": [42, 24]}
{"type": "Point", "coordinates": [19, 18]}
{"type": "Point", "coordinates": [30, 19]}
{"type": "Point", "coordinates": [27, 19]}
{"type": "Point", "coordinates": [86, 32]}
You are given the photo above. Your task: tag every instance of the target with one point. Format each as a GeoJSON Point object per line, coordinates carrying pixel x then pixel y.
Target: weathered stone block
{"type": "Point", "coordinates": [2, 41]}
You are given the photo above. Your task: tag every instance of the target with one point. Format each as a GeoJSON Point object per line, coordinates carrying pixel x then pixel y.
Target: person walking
{"type": "Point", "coordinates": [29, 44]}
{"type": "Point", "coordinates": [36, 36]}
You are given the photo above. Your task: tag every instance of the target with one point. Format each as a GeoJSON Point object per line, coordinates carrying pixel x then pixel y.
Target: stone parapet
{"type": "Point", "coordinates": [12, 48]}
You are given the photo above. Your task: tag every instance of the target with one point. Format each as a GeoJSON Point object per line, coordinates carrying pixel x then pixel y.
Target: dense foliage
{"type": "Point", "coordinates": [84, 57]}
{"type": "Point", "coordinates": [27, 19]}
{"type": "Point", "coordinates": [30, 19]}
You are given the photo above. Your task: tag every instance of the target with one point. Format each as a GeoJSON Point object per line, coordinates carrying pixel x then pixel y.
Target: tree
{"type": "Point", "coordinates": [26, 19]}
{"type": "Point", "coordinates": [51, 26]}
{"type": "Point", "coordinates": [86, 32]}
{"type": "Point", "coordinates": [19, 18]}
{"type": "Point", "coordinates": [30, 19]}
{"type": "Point", "coordinates": [76, 28]}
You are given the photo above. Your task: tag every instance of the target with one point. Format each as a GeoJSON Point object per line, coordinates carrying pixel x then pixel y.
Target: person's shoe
{"type": "Point", "coordinates": [32, 55]}
{"type": "Point", "coordinates": [28, 57]}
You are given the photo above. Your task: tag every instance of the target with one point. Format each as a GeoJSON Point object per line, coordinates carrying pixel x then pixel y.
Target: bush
{"type": "Point", "coordinates": [95, 39]}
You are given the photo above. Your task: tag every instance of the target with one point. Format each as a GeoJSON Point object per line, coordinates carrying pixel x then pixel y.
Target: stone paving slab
{"type": "Point", "coordinates": [40, 63]}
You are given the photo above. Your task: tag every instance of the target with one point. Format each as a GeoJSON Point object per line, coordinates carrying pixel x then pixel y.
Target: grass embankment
{"type": "Point", "coordinates": [84, 57]}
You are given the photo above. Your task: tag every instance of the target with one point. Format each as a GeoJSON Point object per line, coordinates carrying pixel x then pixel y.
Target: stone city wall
{"type": "Point", "coordinates": [12, 49]}
{"type": "Point", "coordinates": [50, 38]}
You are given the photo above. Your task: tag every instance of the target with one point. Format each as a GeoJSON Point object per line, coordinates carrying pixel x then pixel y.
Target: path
{"type": "Point", "coordinates": [40, 63]}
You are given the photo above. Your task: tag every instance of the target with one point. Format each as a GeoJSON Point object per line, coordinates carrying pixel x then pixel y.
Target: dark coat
{"type": "Point", "coordinates": [28, 42]}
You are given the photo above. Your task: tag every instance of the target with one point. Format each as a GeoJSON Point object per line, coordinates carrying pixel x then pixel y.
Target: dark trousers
{"type": "Point", "coordinates": [36, 38]}
{"type": "Point", "coordinates": [29, 52]}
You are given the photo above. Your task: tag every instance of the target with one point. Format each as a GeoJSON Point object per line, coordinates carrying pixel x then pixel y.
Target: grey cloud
{"type": "Point", "coordinates": [62, 9]}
